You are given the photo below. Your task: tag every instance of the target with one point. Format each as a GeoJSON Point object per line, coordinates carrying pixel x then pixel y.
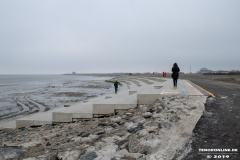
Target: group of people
{"type": "Point", "coordinates": [175, 75]}
{"type": "Point", "coordinates": [164, 74]}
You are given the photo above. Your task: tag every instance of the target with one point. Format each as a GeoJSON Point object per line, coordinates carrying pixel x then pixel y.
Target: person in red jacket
{"type": "Point", "coordinates": [165, 74]}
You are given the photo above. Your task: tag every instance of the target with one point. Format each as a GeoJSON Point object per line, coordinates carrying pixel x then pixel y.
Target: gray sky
{"type": "Point", "coordinates": [59, 36]}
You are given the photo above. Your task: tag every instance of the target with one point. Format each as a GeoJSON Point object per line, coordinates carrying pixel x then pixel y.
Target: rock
{"type": "Point", "coordinates": [119, 122]}
{"type": "Point", "coordinates": [124, 116]}
{"type": "Point", "coordinates": [39, 144]}
{"type": "Point", "coordinates": [151, 110]}
{"type": "Point", "coordinates": [85, 134]}
{"type": "Point", "coordinates": [120, 143]}
{"type": "Point", "coordinates": [147, 116]}
{"type": "Point", "coordinates": [99, 132]}
{"type": "Point", "coordinates": [109, 129]}
{"type": "Point", "coordinates": [48, 144]}
{"type": "Point", "coordinates": [134, 130]}
{"type": "Point", "coordinates": [164, 124]}
{"type": "Point", "coordinates": [133, 145]}
{"type": "Point", "coordinates": [103, 124]}
{"type": "Point", "coordinates": [93, 136]}
{"type": "Point", "coordinates": [159, 109]}
{"type": "Point", "coordinates": [80, 133]}
{"type": "Point", "coordinates": [113, 125]}
{"type": "Point", "coordinates": [86, 139]}
{"type": "Point", "coordinates": [115, 119]}
{"type": "Point", "coordinates": [48, 156]}
{"type": "Point", "coordinates": [140, 125]}
{"type": "Point", "coordinates": [163, 106]}
{"type": "Point", "coordinates": [89, 156]}
{"type": "Point", "coordinates": [58, 134]}
{"type": "Point", "coordinates": [68, 155]}
{"type": "Point", "coordinates": [100, 137]}
{"type": "Point", "coordinates": [129, 114]}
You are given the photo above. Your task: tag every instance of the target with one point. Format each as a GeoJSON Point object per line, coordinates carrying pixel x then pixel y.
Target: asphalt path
{"type": "Point", "coordinates": [219, 126]}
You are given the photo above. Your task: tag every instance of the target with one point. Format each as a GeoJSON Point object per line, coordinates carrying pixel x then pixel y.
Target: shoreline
{"type": "Point", "coordinates": [166, 120]}
{"type": "Point", "coordinates": [38, 101]}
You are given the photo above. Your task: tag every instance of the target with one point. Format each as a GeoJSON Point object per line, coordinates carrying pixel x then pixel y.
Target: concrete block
{"type": "Point", "coordinates": [23, 123]}
{"type": "Point", "coordinates": [103, 108]}
{"type": "Point", "coordinates": [125, 106]}
{"type": "Point", "coordinates": [8, 124]}
{"type": "Point", "coordinates": [82, 115]}
{"type": "Point", "coordinates": [41, 122]}
{"type": "Point", "coordinates": [61, 117]}
{"type": "Point", "coordinates": [148, 98]}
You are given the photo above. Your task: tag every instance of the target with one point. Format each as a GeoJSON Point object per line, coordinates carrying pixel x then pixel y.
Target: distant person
{"type": "Point", "coordinates": [175, 74]}
{"type": "Point", "coordinates": [116, 86]}
{"type": "Point", "coordinates": [163, 74]}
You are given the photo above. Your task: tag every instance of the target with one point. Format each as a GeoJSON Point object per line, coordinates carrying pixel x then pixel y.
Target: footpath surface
{"type": "Point", "coordinates": [219, 126]}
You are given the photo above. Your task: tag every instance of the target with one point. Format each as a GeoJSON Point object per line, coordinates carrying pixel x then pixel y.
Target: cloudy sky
{"type": "Point", "coordinates": [96, 36]}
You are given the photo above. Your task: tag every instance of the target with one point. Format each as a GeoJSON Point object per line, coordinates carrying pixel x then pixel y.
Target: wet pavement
{"type": "Point", "coordinates": [219, 126]}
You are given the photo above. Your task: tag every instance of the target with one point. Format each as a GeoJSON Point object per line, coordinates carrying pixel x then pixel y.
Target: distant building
{"type": "Point", "coordinates": [73, 72]}
{"type": "Point", "coordinates": [204, 70]}
{"type": "Point", "coordinates": [221, 71]}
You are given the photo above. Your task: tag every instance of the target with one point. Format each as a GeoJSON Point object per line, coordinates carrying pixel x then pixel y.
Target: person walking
{"type": "Point", "coordinates": [116, 86]}
{"type": "Point", "coordinates": [175, 74]}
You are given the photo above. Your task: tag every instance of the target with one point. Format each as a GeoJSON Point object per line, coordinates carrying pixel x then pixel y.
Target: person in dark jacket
{"type": "Point", "coordinates": [175, 74]}
{"type": "Point", "coordinates": [116, 86]}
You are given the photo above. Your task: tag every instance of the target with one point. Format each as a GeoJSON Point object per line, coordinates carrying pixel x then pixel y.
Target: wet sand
{"type": "Point", "coordinates": [18, 103]}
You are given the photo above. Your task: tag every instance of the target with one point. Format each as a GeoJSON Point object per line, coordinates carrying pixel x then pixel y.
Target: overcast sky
{"type": "Point", "coordinates": [96, 36]}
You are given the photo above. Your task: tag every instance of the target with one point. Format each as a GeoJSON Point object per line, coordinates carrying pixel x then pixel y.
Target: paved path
{"type": "Point", "coordinates": [219, 126]}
